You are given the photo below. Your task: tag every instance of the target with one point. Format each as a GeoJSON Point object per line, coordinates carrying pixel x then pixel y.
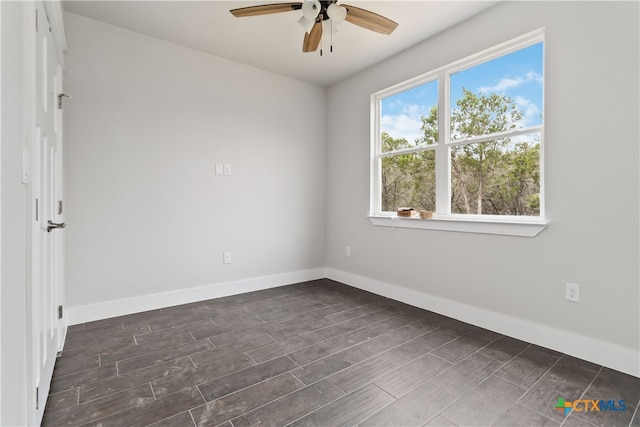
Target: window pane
{"type": "Point", "coordinates": [499, 95]}
{"type": "Point", "coordinates": [409, 180]}
{"type": "Point", "coordinates": [499, 177]}
{"type": "Point", "coordinates": [410, 118]}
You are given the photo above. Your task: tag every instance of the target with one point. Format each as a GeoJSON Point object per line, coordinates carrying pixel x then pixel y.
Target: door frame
{"type": "Point", "coordinates": [0, 202]}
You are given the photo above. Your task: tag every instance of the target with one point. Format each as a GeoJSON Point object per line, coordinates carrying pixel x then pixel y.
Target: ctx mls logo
{"type": "Point", "coordinates": [590, 405]}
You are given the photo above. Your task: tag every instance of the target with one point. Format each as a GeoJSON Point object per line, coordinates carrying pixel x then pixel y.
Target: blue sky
{"type": "Point", "coordinates": [517, 75]}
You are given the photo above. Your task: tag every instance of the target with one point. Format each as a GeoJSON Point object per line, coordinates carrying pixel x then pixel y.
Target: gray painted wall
{"type": "Point", "coordinates": [591, 166]}
{"type": "Point", "coordinates": [13, 333]}
{"type": "Point", "coordinates": [146, 125]}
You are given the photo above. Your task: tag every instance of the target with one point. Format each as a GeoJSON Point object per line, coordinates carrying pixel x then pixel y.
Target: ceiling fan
{"type": "Point", "coordinates": [317, 14]}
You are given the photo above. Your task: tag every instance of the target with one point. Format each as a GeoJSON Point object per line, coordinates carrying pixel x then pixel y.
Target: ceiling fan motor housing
{"type": "Point", "coordinates": [321, 10]}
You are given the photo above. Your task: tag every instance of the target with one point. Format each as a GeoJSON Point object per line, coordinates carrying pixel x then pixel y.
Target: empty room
{"type": "Point", "coordinates": [370, 213]}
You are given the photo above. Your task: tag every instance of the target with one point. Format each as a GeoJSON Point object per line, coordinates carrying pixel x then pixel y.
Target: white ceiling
{"type": "Point", "coordinates": [274, 42]}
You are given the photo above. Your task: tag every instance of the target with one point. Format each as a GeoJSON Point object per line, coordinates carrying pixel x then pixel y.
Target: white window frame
{"type": "Point", "coordinates": [443, 219]}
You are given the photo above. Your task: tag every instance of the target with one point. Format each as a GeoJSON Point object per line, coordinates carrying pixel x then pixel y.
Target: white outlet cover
{"type": "Point", "coordinates": [572, 292]}
{"type": "Point", "coordinates": [219, 169]}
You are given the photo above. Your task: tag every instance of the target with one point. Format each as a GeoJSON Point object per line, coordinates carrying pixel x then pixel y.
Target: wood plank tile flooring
{"type": "Point", "coordinates": [319, 353]}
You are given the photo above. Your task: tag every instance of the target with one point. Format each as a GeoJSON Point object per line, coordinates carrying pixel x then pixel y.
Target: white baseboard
{"type": "Point", "coordinates": [604, 353]}
{"type": "Point", "coordinates": [601, 352]}
{"type": "Point", "coordinates": [120, 307]}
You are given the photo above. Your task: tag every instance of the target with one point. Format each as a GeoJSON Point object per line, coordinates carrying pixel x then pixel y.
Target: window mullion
{"type": "Point", "coordinates": [443, 161]}
{"type": "Point", "coordinates": [376, 172]}
{"type": "Point", "coordinates": [493, 136]}
{"type": "Point", "coordinates": [405, 151]}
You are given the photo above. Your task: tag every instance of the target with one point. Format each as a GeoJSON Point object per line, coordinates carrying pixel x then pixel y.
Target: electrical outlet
{"type": "Point", "coordinates": [347, 251]}
{"type": "Point", "coordinates": [226, 257]}
{"type": "Point", "coordinates": [572, 292]}
{"type": "Point", "coordinates": [227, 169]}
{"type": "Point", "coordinates": [219, 169]}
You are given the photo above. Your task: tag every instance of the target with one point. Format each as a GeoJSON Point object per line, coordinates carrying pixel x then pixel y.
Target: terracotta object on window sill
{"type": "Point", "coordinates": [405, 212]}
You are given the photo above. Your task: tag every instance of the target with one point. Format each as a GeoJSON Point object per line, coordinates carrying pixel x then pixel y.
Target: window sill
{"type": "Point", "coordinates": [504, 227]}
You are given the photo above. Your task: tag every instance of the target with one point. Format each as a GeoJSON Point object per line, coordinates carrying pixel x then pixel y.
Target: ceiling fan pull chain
{"type": "Point", "coordinates": [314, 15]}
{"type": "Point", "coordinates": [331, 36]}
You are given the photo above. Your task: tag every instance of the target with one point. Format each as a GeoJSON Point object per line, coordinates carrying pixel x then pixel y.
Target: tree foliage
{"type": "Point", "coordinates": [496, 177]}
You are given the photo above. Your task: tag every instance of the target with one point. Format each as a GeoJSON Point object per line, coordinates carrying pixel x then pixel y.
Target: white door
{"type": "Point", "coordinates": [46, 231]}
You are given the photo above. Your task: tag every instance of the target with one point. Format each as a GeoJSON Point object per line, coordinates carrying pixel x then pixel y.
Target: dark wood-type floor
{"type": "Point", "coordinates": [319, 354]}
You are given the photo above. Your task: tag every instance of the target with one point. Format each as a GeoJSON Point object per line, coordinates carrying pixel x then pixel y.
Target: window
{"type": "Point", "coordinates": [464, 141]}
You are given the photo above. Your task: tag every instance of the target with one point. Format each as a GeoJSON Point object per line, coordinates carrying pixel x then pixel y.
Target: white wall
{"type": "Point", "coordinates": [146, 215]}
{"type": "Point", "coordinates": [13, 332]}
{"type": "Point", "coordinates": [514, 284]}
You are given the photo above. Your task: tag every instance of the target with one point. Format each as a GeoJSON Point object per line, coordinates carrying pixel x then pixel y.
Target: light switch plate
{"type": "Point", "coordinates": [219, 169]}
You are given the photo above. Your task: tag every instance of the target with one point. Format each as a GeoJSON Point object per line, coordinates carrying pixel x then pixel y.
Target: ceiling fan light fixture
{"type": "Point", "coordinates": [311, 9]}
{"type": "Point", "coordinates": [322, 17]}
{"type": "Point", "coordinates": [306, 24]}
{"type": "Point", "coordinates": [336, 13]}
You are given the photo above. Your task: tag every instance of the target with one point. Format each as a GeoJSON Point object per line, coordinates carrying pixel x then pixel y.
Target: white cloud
{"type": "Point", "coordinates": [533, 76]}
{"type": "Point", "coordinates": [510, 83]}
{"type": "Point", "coordinates": [530, 110]}
{"type": "Point", "coordinates": [402, 126]}
{"type": "Point", "coordinates": [407, 124]}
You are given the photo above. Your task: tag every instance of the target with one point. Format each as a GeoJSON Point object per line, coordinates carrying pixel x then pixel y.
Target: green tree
{"type": "Point", "coordinates": [475, 167]}
{"type": "Point", "coordinates": [500, 176]}
{"type": "Point", "coordinates": [516, 189]}
{"type": "Point", "coordinates": [407, 179]}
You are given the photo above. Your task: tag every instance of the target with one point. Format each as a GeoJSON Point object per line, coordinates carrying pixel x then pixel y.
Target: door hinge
{"type": "Point", "coordinates": [37, 398]}
{"type": "Point", "coordinates": [36, 210]}
{"type": "Point", "coordinates": [60, 96]}
{"type": "Point", "coordinates": [25, 166]}
{"type": "Point", "coordinates": [36, 20]}
{"type": "Point", "coordinates": [59, 312]}
{"type": "Point", "coordinates": [59, 207]}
